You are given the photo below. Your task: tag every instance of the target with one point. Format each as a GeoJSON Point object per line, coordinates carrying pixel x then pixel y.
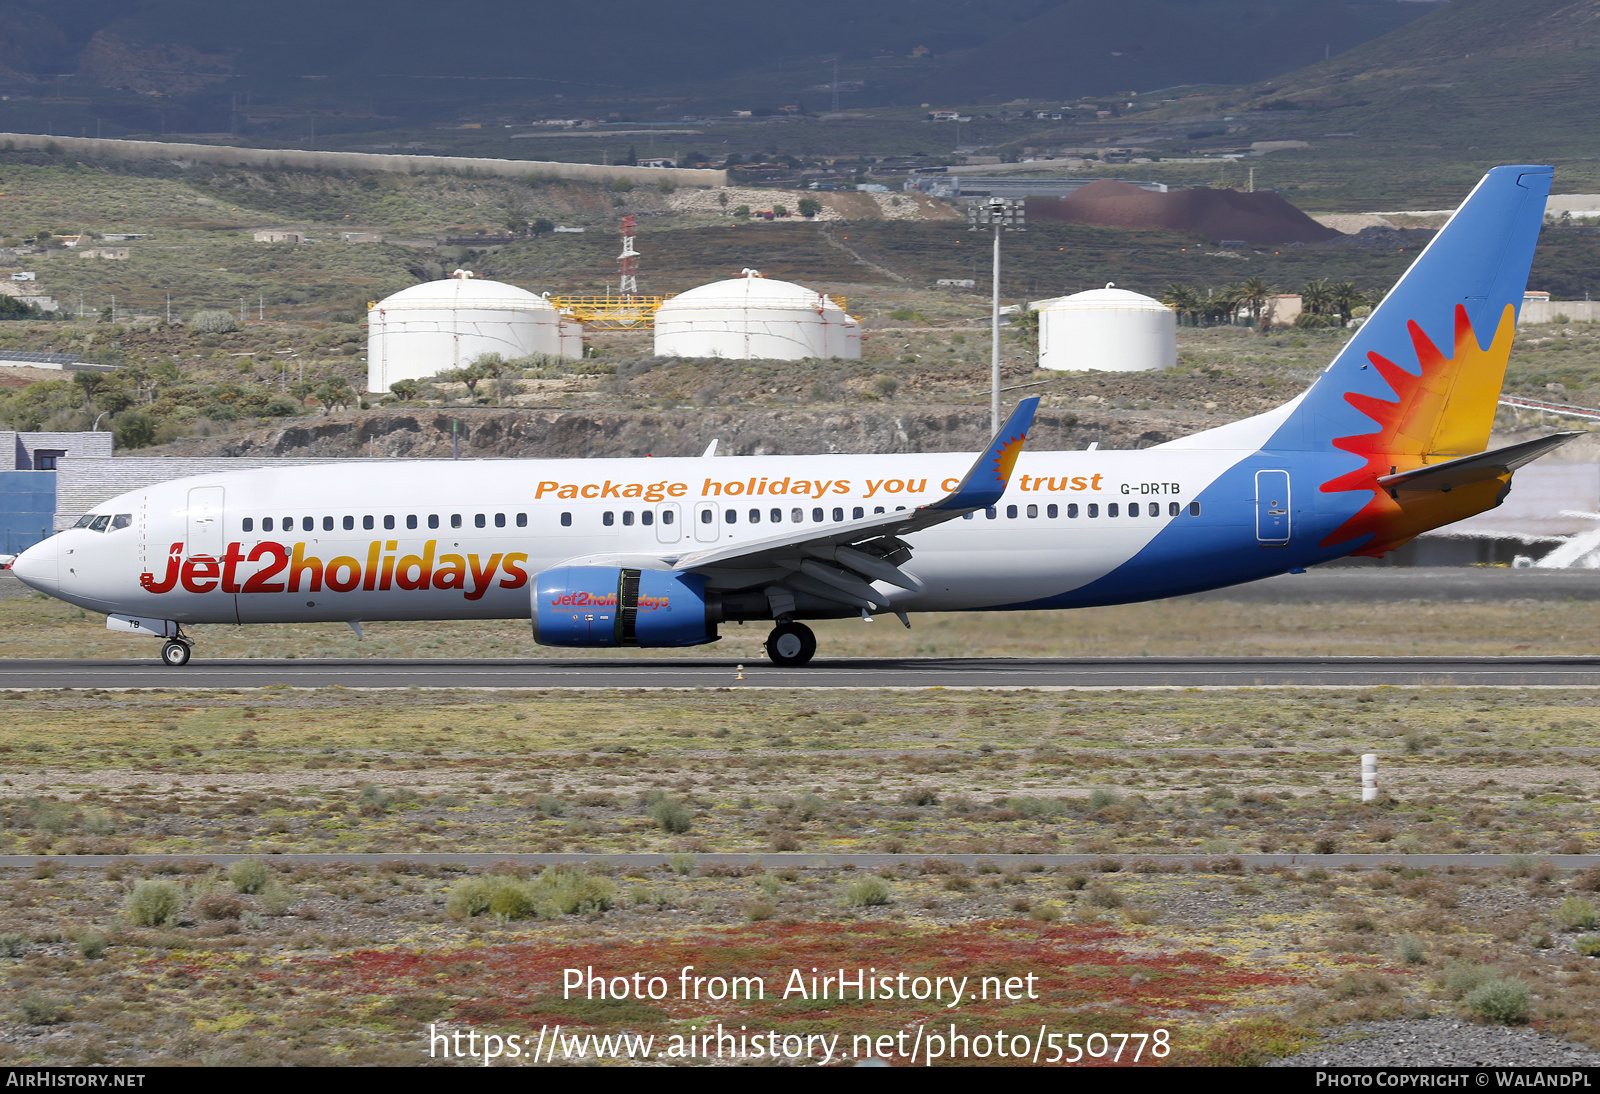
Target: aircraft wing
{"type": "Point", "coordinates": [1469, 469]}
{"type": "Point", "coordinates": [839, 562]}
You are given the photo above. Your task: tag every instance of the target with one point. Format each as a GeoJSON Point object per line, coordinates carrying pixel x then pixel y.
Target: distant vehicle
{"type": "Point", "coordinates": [6, 561]}
{"type": "Point", "coordinates": [1387, 443]}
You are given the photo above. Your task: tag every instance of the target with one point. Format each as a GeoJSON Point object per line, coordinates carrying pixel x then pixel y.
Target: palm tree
{"type": "Point", "coordinates": [1316, 298]}
{"type": "Point", "coordinates": [1222, 305]}
{"type": "Point", "coordinates": [1182, 299]}
{"type": "Point", "coordinates": [1254, 294]}
{"type": "Point", "coordinates": [1344, 298]}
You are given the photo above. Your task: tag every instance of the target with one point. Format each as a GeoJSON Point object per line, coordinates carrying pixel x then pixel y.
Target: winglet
{"type": "Point", "coordinates": [989, 475]}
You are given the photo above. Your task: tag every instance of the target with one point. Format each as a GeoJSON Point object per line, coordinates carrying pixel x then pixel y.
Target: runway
{"type": "Point", "coordinates": [933, 672]}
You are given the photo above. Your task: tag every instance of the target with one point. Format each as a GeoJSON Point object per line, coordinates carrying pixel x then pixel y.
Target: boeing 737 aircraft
{"type": "Point", "coordinates": [1387, 443]}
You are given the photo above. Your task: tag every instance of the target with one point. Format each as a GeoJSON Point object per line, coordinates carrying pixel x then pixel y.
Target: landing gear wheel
{"type": "Point", "coordinates": [175, 653]}
{"type": "Point", "coordinates": [791, 645]}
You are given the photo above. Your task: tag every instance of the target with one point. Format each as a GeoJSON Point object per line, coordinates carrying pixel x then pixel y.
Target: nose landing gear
{"type": "Point", "coordinates": [175, 652]}
{"type": "Point", "coordinates": [791, 645]}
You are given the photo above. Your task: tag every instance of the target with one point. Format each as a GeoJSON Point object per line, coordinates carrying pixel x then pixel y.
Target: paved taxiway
{"type": "Point", "coordinates": [929, 672]}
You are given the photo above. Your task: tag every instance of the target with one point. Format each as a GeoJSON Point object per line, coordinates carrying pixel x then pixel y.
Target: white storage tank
{"type": "Point", "coordinates": [1107, 330]}
{"type": "Point", "coordinates": [441, 325]}
{"type": "Point", "coordinates": [755, 317]}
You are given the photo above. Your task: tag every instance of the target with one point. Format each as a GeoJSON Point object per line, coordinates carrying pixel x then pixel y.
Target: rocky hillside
{"type": "Point", "coordinates": [579, 434]}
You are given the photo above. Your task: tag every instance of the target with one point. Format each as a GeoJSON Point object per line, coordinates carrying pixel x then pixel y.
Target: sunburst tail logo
{"type": "Point", "coordinates": [1443, 410]}
{"type": "Point", "coordinates": [1005, 458]}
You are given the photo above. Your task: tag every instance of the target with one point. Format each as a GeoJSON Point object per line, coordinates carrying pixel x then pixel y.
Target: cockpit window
{"type": "Point", "coordinates": [98, 524]}
{"type": "Point", "coordinates": [121, 520]}
{"type": "Point", "coordinates": [85, 520]}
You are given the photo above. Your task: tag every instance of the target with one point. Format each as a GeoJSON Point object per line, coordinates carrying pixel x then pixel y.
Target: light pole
{"type": "Point", "coordinates": [1005, 214]}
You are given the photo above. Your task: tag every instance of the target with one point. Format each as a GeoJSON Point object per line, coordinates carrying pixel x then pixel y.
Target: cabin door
{"type": "Point", "coordinates": [1272, 508]}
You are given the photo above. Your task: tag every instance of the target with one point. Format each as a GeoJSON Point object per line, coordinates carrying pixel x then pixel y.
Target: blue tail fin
{"type": "Point", "coordinates": [1420, 380]}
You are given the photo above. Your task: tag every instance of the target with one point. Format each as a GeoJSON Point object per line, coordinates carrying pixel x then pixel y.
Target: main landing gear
{"type": "Point", "coordinates": [175, 652]}
{"type": "Point", "coordinates": [791, 644]}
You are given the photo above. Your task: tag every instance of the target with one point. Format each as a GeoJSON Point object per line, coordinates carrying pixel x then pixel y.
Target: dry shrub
{"type": "Point", "coordinates": [1429, 890]}
{"type": "Point", "coordinates": [1360, 983]}
{"type": "Point", "coordinates": [219, 906]}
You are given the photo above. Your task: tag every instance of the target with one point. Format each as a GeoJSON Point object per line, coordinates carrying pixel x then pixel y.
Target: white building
{"type": "Point", "coordinates": [1106, 330]}
{"type": "Point", "coordinates": [754, 317]}
{"type": "Point", "coordinates": [441, 325]}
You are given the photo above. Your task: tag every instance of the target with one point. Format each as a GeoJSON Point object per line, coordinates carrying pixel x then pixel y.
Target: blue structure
{"type": "Point", "coordinates": [28, 464]}
{"type": "Point", "coordinates": [27, 508]}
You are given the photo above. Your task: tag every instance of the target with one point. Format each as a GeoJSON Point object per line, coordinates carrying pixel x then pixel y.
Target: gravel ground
{"type": "Point", "coordinates": [1440, 1042]}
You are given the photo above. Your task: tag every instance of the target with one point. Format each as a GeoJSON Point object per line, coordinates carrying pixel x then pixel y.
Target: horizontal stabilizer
{"type": "Point", "coordinates": [1469, 469]}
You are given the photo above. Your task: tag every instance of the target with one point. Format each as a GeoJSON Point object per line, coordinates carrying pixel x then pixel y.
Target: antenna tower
{"type": "Point", "coordinates": [627, 262]}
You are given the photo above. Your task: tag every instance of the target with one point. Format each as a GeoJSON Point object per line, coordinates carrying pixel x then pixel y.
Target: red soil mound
{"type": "Point", "coordinates": [1259, 218]}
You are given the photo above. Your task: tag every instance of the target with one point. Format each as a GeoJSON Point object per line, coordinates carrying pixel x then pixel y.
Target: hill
{"type": "Point", "coordinates": [1411, 119]}
{"type": "Point", "coordinates": [234, 66]}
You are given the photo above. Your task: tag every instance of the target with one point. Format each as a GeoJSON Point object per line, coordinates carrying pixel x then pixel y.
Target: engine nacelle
{"type": "Point", "coordinates": [615, 606]}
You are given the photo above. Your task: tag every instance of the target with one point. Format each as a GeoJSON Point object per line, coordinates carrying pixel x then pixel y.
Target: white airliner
{"type": "Point", "coordinates": [1388, 442]}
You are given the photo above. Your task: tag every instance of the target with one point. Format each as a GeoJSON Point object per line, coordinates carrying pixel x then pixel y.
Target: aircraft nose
{"type": "Point", "coordinates": [37, 567]}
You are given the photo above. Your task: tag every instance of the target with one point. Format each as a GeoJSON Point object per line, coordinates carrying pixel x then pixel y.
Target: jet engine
{"type": "Point", "coordinates": [616, 606]}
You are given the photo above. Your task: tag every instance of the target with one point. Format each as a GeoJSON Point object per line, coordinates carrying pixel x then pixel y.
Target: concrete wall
{"type": "Point", "coordinates": [22, 446]}
{"type": "Point", "coordinates": [1576, 311]}
{"type": "Point", "coordinates": [271, 158]}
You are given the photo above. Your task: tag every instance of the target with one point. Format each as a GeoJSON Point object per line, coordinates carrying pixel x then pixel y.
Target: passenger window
{"type": "Point", "coordinates": [480, 521]}
{"type": "Point", "coordinates": [499, 520]}
{"type": "Point", "coordinates": [796, 516]}
{"type": "Point", "coordinates": [266, 524]}
{"type": "Point", "coordinates": [1113, 510]}
{"type": "Point", "coordinates": [327, 524]}
{"type": "Point", "coordinates": [1033, 511]}
{"type": "Point", "coordinates": [732, 516]}
{"type": "Point", "coordinates": [990, 512]}
{"type": "Point", "coordinates": [308, 524]}
{"type": "Point", "coordinates": [411, 520]}
{"type": "Point", "coordinates": [247, 524]}
{"type": "Point", "coordinates": [1133, 509]}
{"type": "Point", "coordinates": [522, 520]}
{"type": "Point", "coordinates": [368, 523]}
{"type": "Point", "coordinates": [388, 523]}
{"type": "Point", "coordinates": [1011, 512]}
{"type": "Point", "coordinates": [646, 517]}
{"type": "Point", "coordinates": [816, 515]}
{"type": "Point", "coordinates": [857, 513]}
{"type": "Point", "coordinates": [608, 518]}
{"type": "Point", "coordinates": [455, 520]}
{"type": "Point", "coordinates": [666, 516]}
{"type": "Point", "coordinates": [1172, 509]}
{"type": "Point", "coordinates": [705, 516]}
{"type": "Point", "coordinates": [1194, 509]}
{"type": "Point", "coordinates": [775, 516]}
{"type": "Point", "coordinates": [1072, 510]}
{"type": "Point", "coordinates": [966, 516]}
{"type": "Point", "coordinates": [1094, 510]}
{"type": "Point", "coordinates": [1052, 511]}
{"type": "Point", "coordinates": [755, 516]}
{"type": "Point", "coordinates": [838, 514]}
{"type": "Point", "coordinates": [350, 524]}
{"type": "Point", "coordinates": [566, 520]}
{"type": "Point", "coordinates": [877, 510]}
{"type": "Point", "coordinates": [98, 524]}
{"type": "Point", "coordinates": [433, 520]}
{"type": "Point", "coordinates": [627, 518]}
